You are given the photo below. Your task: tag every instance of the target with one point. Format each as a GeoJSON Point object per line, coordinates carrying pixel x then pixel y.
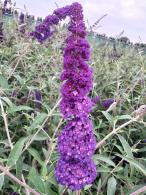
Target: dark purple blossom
{"type": "Point", "coordinates": [37, 35]}
{"type": "Point", "coordinates": [77, 26]}
{"type": "Point", "coordinates": [38, 95]}
{"type": "Point", "coordinates": [22, 18]}
{"type": "Point", "coordinates": [38, 98]}
{"type": "Point", "coordinates": [5, 3]}
{"type": "Point", "coordinates": [1, 32]}
{"type": "Point", "coordinates": [51, 20]}
{"type": "Point", "coordinates": [106, 103]}
{"type": "Point", "coordinates": [61, 13]}
{"type": "Point", "coordinates": [22, 27]}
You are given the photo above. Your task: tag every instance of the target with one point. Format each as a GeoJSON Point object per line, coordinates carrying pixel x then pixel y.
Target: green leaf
{"type": "Point", "coordinates": [36, 180]}
{"type": "Point", "coordinates": [104, 169]}
{"type": "Point", "coordinates": [44, 170]}
{"type": "Point", "coordinates": [37, 121]}
{"type": "Point", "coordinates": [16, 152]}
{"type": "Point", "coordinates": [19, 167]}
{"type": "Point", "coordinates": [128, 151]}
{"type": "Point", "coordinates": [120, 148]}
{"type": "Point", "coordinates": [51, 178]}
{"type": "Point", "coordinates": [135, 163]}
{"type": "Point", "coordinates": [70, 192]}
{"type": "Point", "coordinates": [1, 180]}
{"type": "Point", "coordinates": [36, 155]}
{"type": "Point", "coordinates": [99, 185]}
{"type": "Point", "coordinates": [87, 186]}
{"type": "Point", "coordinates": [41, 136]}
{"type": "Point", "coordinates": [111, 186]}
{"type": "Point", "coordinates": [108, 117]}
{"type": "Point", "coordinates": [61, 189]}
{"type": "Point", "coordinates": [3, 160]}
{"type": "Point", "coordinates": [3, 83]}
{"type": "Point", "coordinates": [126, 146]}
{"type": "Point", "coordinates": [105, 159]}
{"type": "Point", "coordinates": [7, 101]}
{"type": "Point", "coordinates": [18, 108]}
{"type": "Point", "coordinates": [122, 117]}
{"type": "Point", "coordinates": [51, 192]}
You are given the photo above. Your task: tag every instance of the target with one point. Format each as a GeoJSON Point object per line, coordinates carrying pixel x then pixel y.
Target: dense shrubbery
{"type": "Point", "coordinates": [30, 120]}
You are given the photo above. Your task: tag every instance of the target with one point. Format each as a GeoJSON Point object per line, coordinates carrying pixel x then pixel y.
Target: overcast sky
{"type": "Point", "coordinates": [127, 15]}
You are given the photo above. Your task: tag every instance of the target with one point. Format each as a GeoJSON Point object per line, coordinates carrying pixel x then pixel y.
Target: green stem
{"type": "Point", "coordinates": [114, 131]}
{"type": "Point", "coordinates": [6, 172]}
{"type": "Point", "coordinates": [6, 124]}
{"type": "Point", "coordinates": [78, 192]}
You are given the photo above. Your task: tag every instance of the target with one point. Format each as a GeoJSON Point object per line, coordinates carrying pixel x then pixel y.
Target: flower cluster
{"type": "Point", "coordinates": [104, 103]}
{"type": "Point", "coordinates": [22, 18]}
{"type": "Point", "coordinates": [76, 142]}
{"type": "Point", "coordinates": [76, 174]}
{"type": "Point", "coordinates": [43, 31]}
{"type": "Point", "coordinates": [1, 32]}
{"type": "Point", "coordinates": [6, 9]}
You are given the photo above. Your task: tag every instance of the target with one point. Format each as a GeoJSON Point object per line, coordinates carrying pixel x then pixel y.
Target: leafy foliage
{"type": "Point", "coordinates": [25, 66]}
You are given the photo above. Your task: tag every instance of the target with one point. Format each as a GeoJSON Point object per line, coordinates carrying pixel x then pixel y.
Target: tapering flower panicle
{"type": "Point", "coordinates": [6, 8]}
{"type": "Point", "coordinates": [5, 3]}
{"type": "Point", "coordinates": [106, 103]}
{"type": "Point", "coordinates": [1, 32]}
{"type": "Point", "coordinates": [22, 18]}
{"type": "Point", "coordinates": [76, 142]}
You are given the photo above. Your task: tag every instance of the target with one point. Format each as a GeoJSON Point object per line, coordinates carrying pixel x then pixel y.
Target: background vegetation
{"type": "Point", "coordinates": [30, 119]}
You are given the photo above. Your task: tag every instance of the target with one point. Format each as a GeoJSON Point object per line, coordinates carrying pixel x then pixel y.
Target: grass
{"type": "Point", "coordinates": [28, 133]}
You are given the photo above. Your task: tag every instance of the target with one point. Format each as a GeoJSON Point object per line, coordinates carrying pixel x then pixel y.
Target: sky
{"type": "Point", "coordinates": [122, 15]}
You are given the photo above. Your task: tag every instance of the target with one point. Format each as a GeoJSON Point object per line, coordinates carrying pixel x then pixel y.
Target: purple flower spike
{"type": "Point", "coordinates": [76, 142]}
{"type": "Point", "coordinates": [106, 103]}
{"type": "Point", "coordinates": [38, 98]}
{"type": "Point", "coordinates": [5, 3]}
{"type": "Point", "coordinates": [21, 18]}
{"type": "Point", "coordinates": [75, 174]}
{"type": "Point", "coordinates": [1, 32]}
{"type": "Point", "coordinates": [38, 95]}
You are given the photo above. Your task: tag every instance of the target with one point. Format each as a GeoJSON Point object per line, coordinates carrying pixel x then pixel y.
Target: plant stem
{"type": "Point", "coordinates": [77, 193]}
{"type": "Point", "coordinates": [143, 189]}
{"type": "Point", "coordinates": [6, 124]}
{"type": "Point", "coordinates": [114, 131]}
{"type": "Point", "coordinates": [6, 171]}
{"type": "Point", "coordinates": [46, 119]}
{"type": "Point", "coordinates": [49, 153]}
{"type": "Point", "coordinates": [26, 190]}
